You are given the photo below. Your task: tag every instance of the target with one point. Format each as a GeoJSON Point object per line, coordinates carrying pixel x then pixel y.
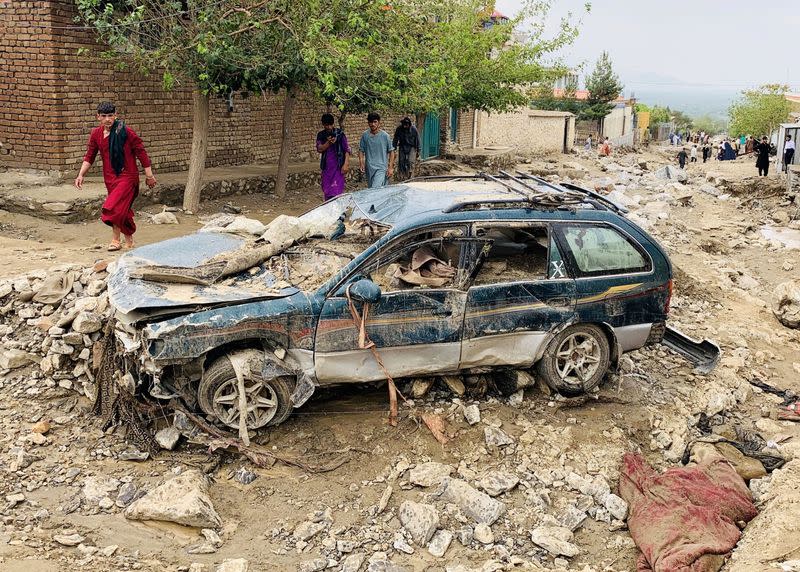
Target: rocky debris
{"type": "Point", "coordinates": [482, 533]}
{"type": "Point", "coordinates": [73, 539]}
{"type": "Point", "coordinates": [183, 499]}
{"type": "Point", "coordinates": [497, 482]}
{"type": "Point", "coordinates": [557, 540]}
{"type": "Point", "coordinates": [496, 437]}
{"type": "Point", "coordinates": [671, 173]}
{"type": "Point", "coordinates": [353, 562]}
{"type": "Point", "coordinates": [164, 217]}
{"type": "Point", "coordinates": [244, 476]}
{"type": "Point", "coordinates": [167, 438]}
{"type": "Point", "coordinates": [234, 565]}
{"type": "Point", "coordinates": [440, 543]}
{"type": "Point", "coordinates": [421, 386]}
{"type": "Point", "coordinates": [786, 303]}
{"type": "Point", "coordinates": [429, 474]}
{"type": "Point", "coordinates": [15, 359]}
{"type": "Point", "coordinates": [313, 565]}
{"type": "Point", "coordinates": [247, 226]}
{"type": "Point", "coordinates": [478, 506]}
{"type": "Point", "coordinates": [472, 414]}
{"type": "Point", "coordinates": [420, 520]}
{"type": "Point", "coordinates": [317, 522]}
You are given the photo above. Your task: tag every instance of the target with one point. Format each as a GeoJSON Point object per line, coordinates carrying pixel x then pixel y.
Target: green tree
{"type": "Point", "coordinates": [659, 114]}
{"type": "Point", "coordinates": [604, 87]}
{"type": "Point", "coordinates": [217, 48]}
{"type": "Point", "coordinates": [759, 111]}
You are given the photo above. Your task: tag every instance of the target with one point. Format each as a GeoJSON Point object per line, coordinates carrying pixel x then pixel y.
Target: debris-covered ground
{"type": "Point", "coordinates": [524, 482]}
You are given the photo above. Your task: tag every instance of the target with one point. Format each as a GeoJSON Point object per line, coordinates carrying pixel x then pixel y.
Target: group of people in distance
{"type": "Point", "coordinates": [728, 150]}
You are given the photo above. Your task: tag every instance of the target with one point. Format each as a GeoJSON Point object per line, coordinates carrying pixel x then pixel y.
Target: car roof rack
{"type": "Point", "coordinates": [528, 193]}
{"type": "Point", "coordinates": [606, 202]}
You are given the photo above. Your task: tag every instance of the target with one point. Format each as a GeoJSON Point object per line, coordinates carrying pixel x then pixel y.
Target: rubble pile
{"type": "Point", "coordinates": [53, 319]}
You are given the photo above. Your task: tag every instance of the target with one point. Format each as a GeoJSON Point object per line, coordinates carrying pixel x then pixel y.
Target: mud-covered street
{"type": "Point", "coordinates": [526, 481]}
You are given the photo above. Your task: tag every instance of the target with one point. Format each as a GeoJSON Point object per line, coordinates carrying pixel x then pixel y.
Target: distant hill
{"type": "Point", "coordinates": [694, 101]}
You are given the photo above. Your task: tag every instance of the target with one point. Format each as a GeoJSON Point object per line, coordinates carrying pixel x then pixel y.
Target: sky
{"type": "Point", "coordinates": [706, 46]}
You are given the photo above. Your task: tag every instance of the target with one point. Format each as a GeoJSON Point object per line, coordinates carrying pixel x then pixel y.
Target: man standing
{"type": "Point", "coordinates": [693, 154]}
{"type": "Point", "coordinates": [762, 163]}
{"type": "Point", "coordinates": [788, 153]}
{"type": "Point", "coordinates": [334, 162]}
{"type": "Point", "coordinates": [376, 157]}
{"type": "Point", "coordinates": [406, 144]}
{"type": "Point", "coordinates": [682, 158]}
{"type": "Point", "coordinates": [120, 147]}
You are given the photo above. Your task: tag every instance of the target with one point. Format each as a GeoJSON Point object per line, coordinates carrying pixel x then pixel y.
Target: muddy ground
{"type": "Point", "coordinates": [65, 492]}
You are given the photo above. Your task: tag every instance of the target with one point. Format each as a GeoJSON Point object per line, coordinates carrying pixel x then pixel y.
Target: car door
{"type": "Point", "coordinates": [511, 309]}
{"type": "Point", "coordinates": [615, 284]}
{"type": "Point", "coordinates": [416, 328]}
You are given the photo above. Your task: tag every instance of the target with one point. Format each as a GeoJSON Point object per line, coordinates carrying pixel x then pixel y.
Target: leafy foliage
{"type": "Point", "coordinates": [760, 111]}
{"type": "Point", "coordinates": [219, 47]}
{"type": "Point", "coordinates": [425, 55]}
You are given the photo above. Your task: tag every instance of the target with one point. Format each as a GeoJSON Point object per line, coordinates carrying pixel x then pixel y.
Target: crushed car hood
{"type": "Point", "coordinates": [141, 298]}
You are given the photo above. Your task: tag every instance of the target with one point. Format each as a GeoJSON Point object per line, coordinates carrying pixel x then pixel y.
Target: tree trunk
{"type": "Point", "coordinates": [286, 144]}
{"type": "Point", "coordinates": [197, 158]}
{"type": "Point", "coordinates": [342, 117]}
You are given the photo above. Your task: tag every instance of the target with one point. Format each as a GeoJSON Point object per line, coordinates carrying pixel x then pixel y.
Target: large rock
{"type": "Point", "coordinates": [669, 172]}
{"type": "Point", "coordinates": [498, 482]}
{"type": "Point", "coordinates": [420, 520]}
{"type": "Point", "coordinates": [440, 543]}
{"type": "Point", "coordinates": [557, 540]}
{"type": "Point", "coordinates": [786, 303]}
{"type": "Point", "coordinates": [496, 437]}
{"type": "Point", "coordinates": [183, 499]}
{"type": "Point", "coordinates": [234, 565]}
{"type": "Point", "coordinates": [429, 474]}
{"type": "Point", "coordinates": [479, 506]}
{"type": "Point", "coordinates": [87, 323]}
{"type": "Point", "coordinates": [13, 359]}
{"type": "Point", "coordinates": [244, 225]}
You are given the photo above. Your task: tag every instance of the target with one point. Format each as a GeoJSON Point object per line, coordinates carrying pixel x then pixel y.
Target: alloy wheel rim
{"type": "Point", "coordinates": [261, 399]}
{"type": "Point", "coordinates": [578, 358]}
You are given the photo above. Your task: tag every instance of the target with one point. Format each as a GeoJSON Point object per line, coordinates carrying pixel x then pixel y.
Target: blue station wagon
{"type": "Point", "coordinates": [443, 275]}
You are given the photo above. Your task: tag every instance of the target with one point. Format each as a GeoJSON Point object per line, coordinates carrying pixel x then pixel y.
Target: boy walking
{"type": "Point", "coordinates": [693, 154]}
{"type": "Point", "coordinates": [376, 157]}
{"type": "Point", "coordinates": [682, 158]}
{"type": "Point", "coordinates": [120, 147]}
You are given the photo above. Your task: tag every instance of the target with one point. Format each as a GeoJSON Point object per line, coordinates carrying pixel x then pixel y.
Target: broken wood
{"type": "Point", "coordinates": [437, 426]}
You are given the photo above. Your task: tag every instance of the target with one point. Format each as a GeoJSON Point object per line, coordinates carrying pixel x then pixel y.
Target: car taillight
{"type": "Point", "coordinates": [669, 296]}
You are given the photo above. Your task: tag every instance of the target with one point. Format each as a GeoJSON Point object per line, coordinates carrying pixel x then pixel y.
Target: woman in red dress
{"type": "Point", "coordinates": [120, 147]}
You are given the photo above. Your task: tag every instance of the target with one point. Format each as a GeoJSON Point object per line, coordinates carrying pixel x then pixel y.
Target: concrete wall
{"type": "Point", "coordinates": [528, 131]}
{"type": "Point", "coordinates": [618, 122]}
{"type": "Point", "coordinates": [49, 93]}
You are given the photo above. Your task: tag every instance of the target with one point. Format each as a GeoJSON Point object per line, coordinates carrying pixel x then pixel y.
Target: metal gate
{"type": "Point", "coordinates": [453, 124]}
{"type": "Point", "coordinates": [430, 136]}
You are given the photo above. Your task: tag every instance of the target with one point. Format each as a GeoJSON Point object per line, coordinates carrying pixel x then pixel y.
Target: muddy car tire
{"type": "Point", "coordinates": [218, 396]}
{"type": "Point", "coordinates": [576, 360]}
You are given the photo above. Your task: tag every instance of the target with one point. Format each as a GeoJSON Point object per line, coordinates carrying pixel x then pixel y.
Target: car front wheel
{"type": "Point", "coordinates": [268, 401]}
{"type": "Point", "coordinates": [576, 360]}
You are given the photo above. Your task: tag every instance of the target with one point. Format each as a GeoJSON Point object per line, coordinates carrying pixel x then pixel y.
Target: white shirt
{"type": "Point", "coordinates": [789, 145]}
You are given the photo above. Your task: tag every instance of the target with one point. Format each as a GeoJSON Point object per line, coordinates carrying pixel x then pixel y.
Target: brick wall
{"type": "Point", "coordinates": [28, 80]}
{"type": "Point", "coordinates": [49, 91]}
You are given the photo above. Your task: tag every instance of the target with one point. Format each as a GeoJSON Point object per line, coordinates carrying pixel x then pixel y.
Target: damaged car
{"type": "Point", "coordinates": [436, 276]}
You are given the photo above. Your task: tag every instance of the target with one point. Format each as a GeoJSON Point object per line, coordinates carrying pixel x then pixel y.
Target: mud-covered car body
{"type": "Point", "coordinates": [580, 262]}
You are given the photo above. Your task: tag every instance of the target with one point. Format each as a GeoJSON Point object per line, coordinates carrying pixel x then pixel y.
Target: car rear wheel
{"type": "Point", "coordinates": [576, 360]}
{"type": "Point", "coordinates": [268, 400]}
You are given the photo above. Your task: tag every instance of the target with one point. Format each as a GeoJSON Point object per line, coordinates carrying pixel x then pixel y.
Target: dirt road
{"type": "Point", "coordinates": [66, 490]}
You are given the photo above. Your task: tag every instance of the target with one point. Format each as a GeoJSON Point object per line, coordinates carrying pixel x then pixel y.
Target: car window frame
{"type": "Point", "coordinates": [522, 223]}
{"type": "Point", "coordinates": [390, 248]}
{"type": "Point", "coordinates": [572, 263]}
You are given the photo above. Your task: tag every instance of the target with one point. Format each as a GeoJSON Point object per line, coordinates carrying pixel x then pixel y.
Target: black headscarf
{"type": "Point", "coordinates": [116, 143]}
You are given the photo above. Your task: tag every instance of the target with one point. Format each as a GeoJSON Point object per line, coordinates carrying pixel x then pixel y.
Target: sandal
{"type": "Point", "coordinates": [129, 243]}
{"type": "Point", "coordinates": [114, 245]}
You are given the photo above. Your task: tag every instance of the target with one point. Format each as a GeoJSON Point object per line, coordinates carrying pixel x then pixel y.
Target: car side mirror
{"type": "Point", "coordinates": [365, 290]}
